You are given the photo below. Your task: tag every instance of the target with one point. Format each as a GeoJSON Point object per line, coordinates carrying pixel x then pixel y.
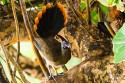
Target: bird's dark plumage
{"type": "Point", "coordinates": [48, 23]}
{"type": "Point", "coordinates": [51, 21]}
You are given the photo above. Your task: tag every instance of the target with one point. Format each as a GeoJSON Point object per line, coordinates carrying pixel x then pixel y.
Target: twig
{"type": "Point", "coordinates": [19, 79]}
{"type": "Point", "coordinates": [45, 2]}
{"type": "Point", "coordinates": [99, 14]}
{"type": "Point", "coordinates": [79, 3]}
{"type": "Point", "coordinates": [12, 79]}
{"type": "Point", "coordinates": [33, 6]}
{"type": "Point", "coordinates": [2, 58]}
{"type": "Point", "coordinates": [55, 1]}
{"type": "Point", "coordinates": [5, 62]}
{"type": "Point", "coordinates": [17, 32]}
{"type": "Point", "coordinates": [78, 14]}
{"type": "Point", "coordinates": [88, 13]}
{"type": "Point", "coordinates": [3, 77]}
{"type": "Point", "coordinates": [9, 57]}
{"type": "Point", "coordinates": [109, 28]}
{"type": "Point", "coordinates": [31, 36]}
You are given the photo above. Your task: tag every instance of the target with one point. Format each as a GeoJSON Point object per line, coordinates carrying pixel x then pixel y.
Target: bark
{"type": "Point", "coordinates": [95, 70]}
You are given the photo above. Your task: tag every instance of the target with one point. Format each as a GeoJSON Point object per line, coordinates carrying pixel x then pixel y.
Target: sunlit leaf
{"type": "Point", "coordinates": [26, 49]}
{"type": "Point", "coordinates": [74, 61]}
{"type": "Point", "coordinates": [120, 5]}
{"type": "Point", "coordinates": [5, 1]}
{"type": "Point", "coordinates": [110, 2]}
{"type": "Point", "coordinates": [107, 3]}
{"type": "Point", "coordinates": [119, 45]}
{"type": "Point", "coordinates": [83, 5]}
{"type": "Point", "coordinates": [32, 79]}
{"type": "Point", "coordinates": [104, 8]}
{"type": "Point", "coordinates": [94, 16]}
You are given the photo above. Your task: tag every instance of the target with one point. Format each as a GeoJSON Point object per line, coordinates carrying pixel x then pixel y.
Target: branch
{"type": "Point", "coordinates": [95, 70]}
{"type": "Point", "coordinates": [31, 36]}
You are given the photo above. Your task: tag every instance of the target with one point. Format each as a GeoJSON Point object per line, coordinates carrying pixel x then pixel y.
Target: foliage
{"type": "Point", "coordinates": [119, 39]}
{"type": "Point", "coordinates": [119, 45]}
{"type": "Point", "coordinates": [5, 1]}
{"type": "Point", "coordinates": [8, 1]}
{"type": "Point", "coordinates": [111, 3]}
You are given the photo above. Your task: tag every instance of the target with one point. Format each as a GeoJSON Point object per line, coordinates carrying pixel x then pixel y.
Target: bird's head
{"type": "Point", "coordinates": [65, 45]}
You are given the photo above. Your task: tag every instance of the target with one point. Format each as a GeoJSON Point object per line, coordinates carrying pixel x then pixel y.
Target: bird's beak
{"type": "Point", "coordinates": [68, 45]}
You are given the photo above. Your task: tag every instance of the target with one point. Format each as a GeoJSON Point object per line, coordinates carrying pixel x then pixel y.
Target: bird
{"type": "Point", "coordinates": [47, 25]}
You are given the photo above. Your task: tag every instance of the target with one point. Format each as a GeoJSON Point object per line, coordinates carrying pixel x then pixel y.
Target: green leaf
{"type": "Point", "coordinates": [5, 1]}
{"type": "Point", "coordinates": [110, 2]}
{"type": "Point", "coordinates": [107, 3]}
{"type": "Point", "coordinates": [71, 63]}
{"type": "Point", "coordinates": [120, 5]}
{"type": "Point", "coordinates": [104, 9]}
{"type": "Point", "coordinates": [94, 16]}
{"type": "Point", "coordinates": [83, 5]}
{"type": "Point", "coordinates": [28, 1]}
{"type": "Point", "coordinates": [119, 45]}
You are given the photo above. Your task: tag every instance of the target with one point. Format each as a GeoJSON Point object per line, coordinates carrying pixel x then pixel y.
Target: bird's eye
{"type": "Point", "coordinates": [65, 47]}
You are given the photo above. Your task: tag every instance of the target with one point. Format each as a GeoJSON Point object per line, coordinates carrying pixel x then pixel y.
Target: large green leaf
{"type": "Point", "coordinates": [119, 45]}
